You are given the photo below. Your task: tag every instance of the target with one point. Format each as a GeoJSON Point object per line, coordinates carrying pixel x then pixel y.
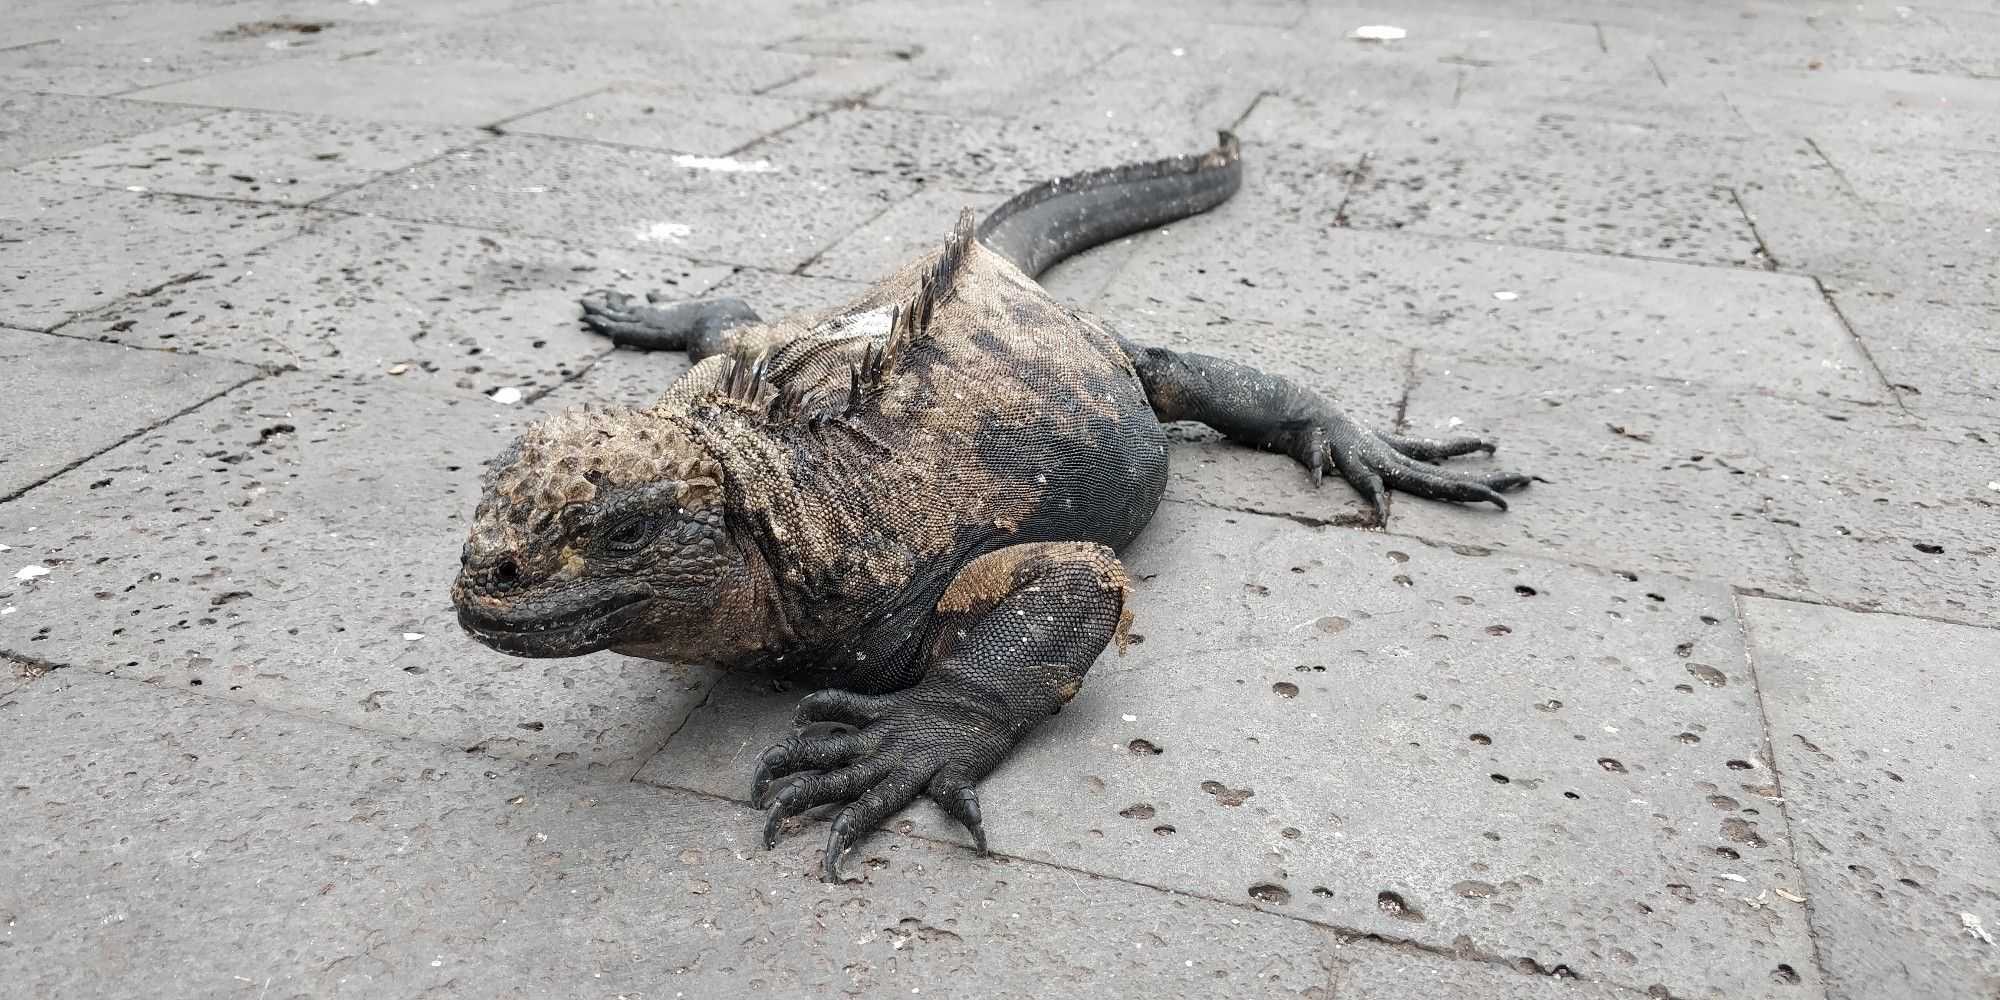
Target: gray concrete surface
{"type": "Point", "coordinates": [1707, 714]}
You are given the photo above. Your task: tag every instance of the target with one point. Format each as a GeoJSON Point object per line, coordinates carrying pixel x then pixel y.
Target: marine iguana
{"type": "Point", "coordinates": [914, 501]}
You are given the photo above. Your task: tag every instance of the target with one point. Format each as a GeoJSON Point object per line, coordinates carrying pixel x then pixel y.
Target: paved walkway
{"type": "Point", "coordinates": [1709, 714]}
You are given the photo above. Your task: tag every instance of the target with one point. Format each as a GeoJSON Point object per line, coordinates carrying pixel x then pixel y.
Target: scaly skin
{"type": "Point", "coordinates": [915, 501]}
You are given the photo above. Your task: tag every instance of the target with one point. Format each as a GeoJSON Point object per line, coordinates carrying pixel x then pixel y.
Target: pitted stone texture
{"type": "Point", "coordinates": [1255, 269]}
{"type": "Point", "coordinates": [838, 81]}
{"type": "Point", "coordinates": [1888, 109]}
{"type": "Point", "coordinates": [1576, 184]}
{"type": "Point", "coordinates": [680, 121]}
{"type": "Point", "coordinates": [910, 228]}
{"type": "Point", "coordinates": [1895, 513]}
{"type": "Point", "coordinates": [215, 849]}
{"type": "Point", "coordinates": [1366, 970]}
{"type": "Point", "coordinates": [1386, 736]}
{"type": "Point", "coordinates": [711, 45]}
{"type": "Point", "coordinates": [992, 61]}
{"type": "Point", "coordinates": [1621, 87]}
{"type": "Point", "coordinates": [1188, 79]}
{"type": "Point", "coordinates": [453, 310]}
{"type": "Point", "coordinates": [87, 63]}
{"type": "Point", "coordinates": [1937, 254]}
{"type": "Point", "coordinates": [1853, 504]}
{"type": "Point", "coordinates": [1918, 176]}
{"type": "Point", "coordinates": [964, 152]}
{"type": "Point", "coordinates": [1638, 474]}
{"type": "Point", "coordinates": [91, 396]}
{"type": "Point", "coordinates": [255, 156]}
{"type": "Point", "coordinates": [382, 87]}
{"type": "Point", "coordinates": [71, 250]}
{"type": "Point", "coordinates": [37, 126]}
{"type": "Point", "coordinates": [1938, 356]}
{"type": "Point", "coordinates": [1887, 761]}
{"type": "Point", "coordinates": [280, 546]}
{"type": "Point", "coordinates": [638, 198]}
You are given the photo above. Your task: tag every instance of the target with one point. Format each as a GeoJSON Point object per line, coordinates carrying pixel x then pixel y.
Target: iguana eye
{"type": "Point", "coordinates": [629, 535]}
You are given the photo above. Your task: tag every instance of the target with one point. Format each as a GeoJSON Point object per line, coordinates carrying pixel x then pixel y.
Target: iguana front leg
{"type": "Point", "coordinates": [1276, 414]}
{"type": "Point", "coordinates": [1015, 633]}
{"type": "Point", "coordinates": [699, 327]}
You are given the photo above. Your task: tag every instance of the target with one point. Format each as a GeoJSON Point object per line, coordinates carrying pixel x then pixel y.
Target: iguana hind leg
{"type": "Point", "coordinates": [1276, 414]}
{"type": "Point", "coordinates": [700, 327]}
{"type": "Point", "coordinates": [1015, 633]}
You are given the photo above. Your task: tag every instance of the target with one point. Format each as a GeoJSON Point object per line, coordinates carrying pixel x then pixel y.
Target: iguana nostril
{"type": "Point", "coordinates": [507, 573]}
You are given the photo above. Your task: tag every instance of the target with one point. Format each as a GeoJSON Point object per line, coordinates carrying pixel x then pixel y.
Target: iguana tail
{"type": "Point", "coordinates": [1069, 215]}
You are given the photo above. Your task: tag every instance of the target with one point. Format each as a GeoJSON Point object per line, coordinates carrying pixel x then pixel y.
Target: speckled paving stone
{"type": "Point", "coordinates": [1886, 751]}
{"type": "Point", "coordinates": [991, 61]}
{"type": "Point", "coordinates": [1576, 184]}
{"type": "Point", "coordinates": [1938, 356]}
{"type": "Point", "coordinates": [963, 152]}
{"type": "Point", "coordinates": [1366, 970]}
{"type": "Point", "coordinates": [293, 544]}
{"type": "Point", "coordinates": [715, 45]}
{"type": "Point", "coordinates": [36, 126]}
{"type": "Point", "coordinates": [82, 63]}
{"type": "Point", "coordinates": [217, 850]}
{"type": "Point", "coordinates": [1937, 254]}
{"type": "Point", "coordinates": [71, 250]}
{"type": "Point", "coordinates": [1254, 271]}
{"type": "Point", "coordinates": [1816, 499]}
{"type": "Point", "coordinates": [680, 121]}
{"type": "Point", "coordinates": [1505, 756]}
{"type": "Point", "coordinates": [86, 397]}
{"type": "Point", "coordinates": [583, 192]}
{"type": "Point", "coordinates": [1188, 80]}
{"type": "Point", "coordinates": [839, 81]}
{"type": "Point", "coordinates": [1638, 474]}
{"type": "Point", "coordinates": [452, 310]}
{"type": "Point", "coordinates": [255, 156]}
{"type": "Point", "coordinates": [1893, 512]}
{"type": "Point", "coordinates": [1920, 176]}
{"type": "Point", "coordinates": [382, 88]}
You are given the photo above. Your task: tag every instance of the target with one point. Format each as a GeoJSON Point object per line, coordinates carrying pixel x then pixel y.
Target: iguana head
{"type": "Point", "coordinates": [598, 528]}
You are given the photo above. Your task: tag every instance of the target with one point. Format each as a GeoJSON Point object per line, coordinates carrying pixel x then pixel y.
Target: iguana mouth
{"type": "Point", "coordinates": [572, 633]}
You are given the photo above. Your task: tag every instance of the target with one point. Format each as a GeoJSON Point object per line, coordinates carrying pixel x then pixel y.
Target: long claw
{"type": "Point", "coordinates": [961, 803]}
{"type": "Point", "coordinates": [1433, 449]}
{"type": "Point", "coordinates": [816, 790]}
{"type": "Point", "coordinates": [798, 753]}
{"type": "Point", "coordinates": [865, 814]}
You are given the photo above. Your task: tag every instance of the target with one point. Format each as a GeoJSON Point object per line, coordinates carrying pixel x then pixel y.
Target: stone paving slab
{"type": "Point", "coordinates": [1366, 971]}
{"type": "Point", "coordinates": [255, 156]}
{"type": "Point", "coordinates": [1827, 501]}
{"type": "Point", "coordinates": [1937, 254]}
{"type": "Point", "coordinates": [38, 126]}
{"type": "Point", "coordinates": [1575, 184]}
{"type": "Point", "coordinates": [908, 229]}
{"type": "Point", "coordinates": [293, 544]}
{"type": "Point", "coordinates": [964, 152]}
{"type": "Point", "coordinates": [106, 394]}
{"type": "Point", "coordinates": [714, 45]}
{"type": "Point", "coordinates": [1253, 273]}
{"type": "Point", "coordinates": [1882, 730]}
{"type": "Point", "coordinates": [145, 860]}
{"type": "Point", "coordinates": [1510, 757]}
{"type": "Point", "coordinates": [1937, 356]}
{"type": "Point", "coordinates": [384, 88]}
{"type": "Point", "coordinates": [1917, 176]}
{"type": "Point", "coordinates": [450, 309]}
{"type": "Point", "coordinates": [71, 250]}
{"type": "Point", "coordinates": [613, 196]}
{"type": "Point", "coordinates": [680, 121]}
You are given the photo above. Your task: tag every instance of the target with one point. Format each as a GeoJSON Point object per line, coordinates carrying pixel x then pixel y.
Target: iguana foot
{"type": "Point", "coordinates": [1015, 633]}
{"type": "Point", "coordinates": [928, 740]}
{"type": "Point", "coordinates": [1266, 411]}
{"type": "Point", "coordinates": [662, 324]}
{"type": "Point", "coordinates": [1374, 462]}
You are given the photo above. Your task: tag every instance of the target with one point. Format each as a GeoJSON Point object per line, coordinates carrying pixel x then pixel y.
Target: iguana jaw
{"type": "Point", "coordinates": [576, 625]}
